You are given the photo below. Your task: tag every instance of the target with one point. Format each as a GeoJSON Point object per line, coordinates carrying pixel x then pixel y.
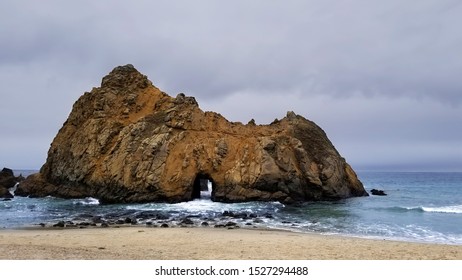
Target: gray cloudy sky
{"type": "Point", "coordinates": [382, 78]}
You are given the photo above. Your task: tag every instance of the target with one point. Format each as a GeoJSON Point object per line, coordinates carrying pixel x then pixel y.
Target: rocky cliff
{"type": "Point", "coordinates": [127, 141]}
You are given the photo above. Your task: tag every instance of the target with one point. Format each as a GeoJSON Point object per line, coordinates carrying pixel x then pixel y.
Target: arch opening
{"type": "Point", "coordinates": [203, 187]}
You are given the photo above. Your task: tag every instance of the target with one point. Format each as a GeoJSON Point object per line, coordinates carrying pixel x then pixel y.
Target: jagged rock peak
{"type": "Point", "coordinates": [291, 115]}
{"type": "Point", "coordinates": [125, 76]}
{"type": "Point", "coordinates": [127, 141]}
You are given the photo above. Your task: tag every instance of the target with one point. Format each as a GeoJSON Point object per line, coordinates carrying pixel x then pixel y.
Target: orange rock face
{"type": "Point", "coordinates": [127, 141]}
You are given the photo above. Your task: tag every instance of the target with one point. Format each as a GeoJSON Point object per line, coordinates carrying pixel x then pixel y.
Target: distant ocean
{"type": "Point", "coordinates": [419, 207]}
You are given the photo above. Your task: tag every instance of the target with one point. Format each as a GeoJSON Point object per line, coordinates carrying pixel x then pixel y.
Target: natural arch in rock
{"type": "Point", "coordinates": [201, 186]}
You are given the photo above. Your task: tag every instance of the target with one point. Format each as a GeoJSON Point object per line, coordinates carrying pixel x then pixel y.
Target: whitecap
{"type": "Point", "coordinates": [454, 209]}
{"type": "Point", "coordinates": [13, 189]}
{"type": "Point", "coordinates": [87, 201]}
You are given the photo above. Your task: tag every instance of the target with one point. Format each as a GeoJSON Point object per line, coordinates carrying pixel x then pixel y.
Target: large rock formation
{"type": "Point", "coordinates": [127, 141]}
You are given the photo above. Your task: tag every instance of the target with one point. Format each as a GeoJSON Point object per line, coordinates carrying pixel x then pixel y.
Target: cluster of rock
{"type": "Point", "coordinates": [127, 141]}
{"type": "Point", "coordinates": [7, 182]}
{"type": "Point", "coordinates": [227, 219]}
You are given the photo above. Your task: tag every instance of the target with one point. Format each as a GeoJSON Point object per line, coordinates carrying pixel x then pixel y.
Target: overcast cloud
{"type": "Point", "coordinates": [382, 78]}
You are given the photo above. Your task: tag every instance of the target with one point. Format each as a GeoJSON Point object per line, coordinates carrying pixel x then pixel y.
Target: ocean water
{"type": "Point", "coordinates": [419, 207]}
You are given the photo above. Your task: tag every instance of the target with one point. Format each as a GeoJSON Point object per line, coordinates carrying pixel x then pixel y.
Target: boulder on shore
{"type": "Point", "coordinates": [127, 141]}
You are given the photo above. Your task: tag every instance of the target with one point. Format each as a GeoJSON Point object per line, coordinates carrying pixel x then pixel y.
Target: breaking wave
{"type": "Point", "coordinates": [451, 209]}
{"type": "Point", "coordinates": [87, 201]}
{"type": "Point", "coordinates": [456, 209]}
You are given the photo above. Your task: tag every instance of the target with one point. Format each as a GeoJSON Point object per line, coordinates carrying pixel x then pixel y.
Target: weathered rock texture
{"type": "Point", "coordinates": [127, 141]}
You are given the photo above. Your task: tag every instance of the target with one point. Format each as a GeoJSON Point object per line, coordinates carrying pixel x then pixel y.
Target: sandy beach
{"type": "Point", "coordinates": [134, 243]}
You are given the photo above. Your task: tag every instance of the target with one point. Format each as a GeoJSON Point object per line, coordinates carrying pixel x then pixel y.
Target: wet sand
{"type": "Point", "coordinates": [142, 243]}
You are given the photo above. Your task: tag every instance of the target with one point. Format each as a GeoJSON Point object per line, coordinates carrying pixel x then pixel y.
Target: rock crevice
{"type": "Point", "coordinates": [127, 141]}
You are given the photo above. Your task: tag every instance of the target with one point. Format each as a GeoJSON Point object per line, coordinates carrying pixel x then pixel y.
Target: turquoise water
{"type": "Point", "coordinates": [421, 207]}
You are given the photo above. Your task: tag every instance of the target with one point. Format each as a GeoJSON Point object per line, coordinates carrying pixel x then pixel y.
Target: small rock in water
{"type": "Point", "coordinates": [85, 216]}
{"type": "Point", "coordinates": [240, 216]}
{"type": "Point", "coordinates": [97, 219]}
{"type": "Point", "coordinates": [164, 226]}
{"type": "Point", "coordinates": [230, 224]}
{"type": "Point", "coordinates": [228, 214]}
{"type": "Point", "coordinates": [59, 224]}
{"type": "Point", "coordinates": [104, 225]}
{"type": "Point", "coordinates": [234, 227]}
{"type": "Point", "coordinates": [378, 192]}
{"type": "Point", "coordinates": [162, 217]}
{"type": "Point", "coordinates": [234, 215]}
{"type": "Point", "coordinates": [204, 224]}
{"type": "Point", "coordinates": [187, 221]}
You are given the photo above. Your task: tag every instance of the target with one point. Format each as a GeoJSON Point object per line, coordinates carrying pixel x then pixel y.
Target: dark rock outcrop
{"type": "Point", "coordinates": [7, 181]}
{"type": "Point", "coordinates": [378, 192]}
{"type": "Point", "coordinates": [7, 178]}
{"type": "Point", "coordinates": [5, 193]}
{"type": "Point", "coordinates": [127, 141]}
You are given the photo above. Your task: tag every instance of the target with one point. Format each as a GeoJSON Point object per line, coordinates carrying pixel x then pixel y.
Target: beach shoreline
{"type": "Point", "coordinates": [201, 243]}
